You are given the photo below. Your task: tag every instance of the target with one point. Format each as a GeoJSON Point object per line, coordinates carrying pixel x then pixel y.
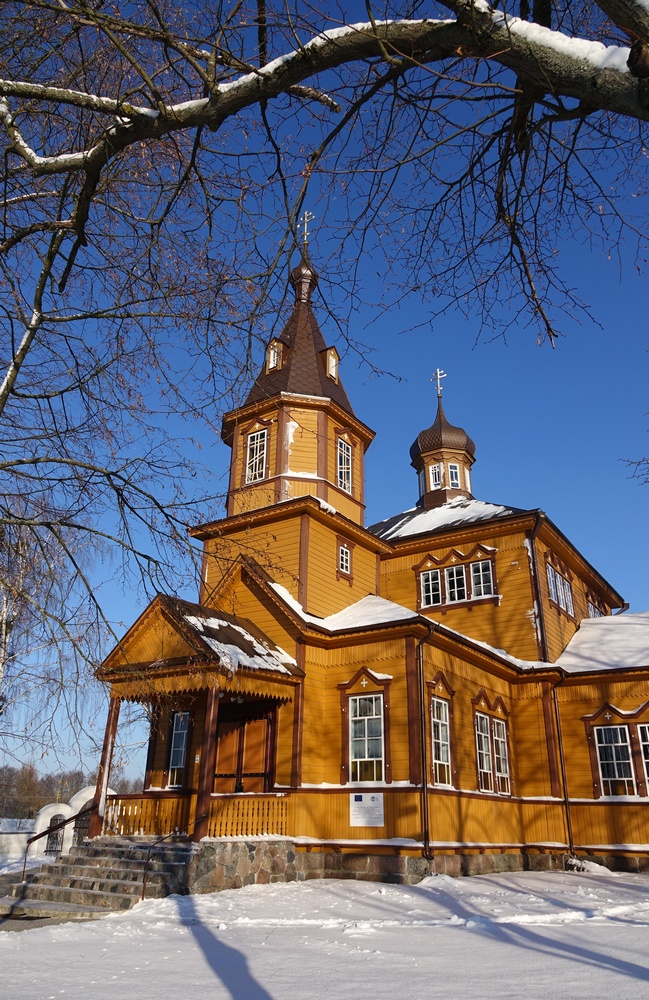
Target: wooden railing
{"type": "Point", "coordinates": [248, 815]}
{"type": "Point", "coordinates": [149, 814]}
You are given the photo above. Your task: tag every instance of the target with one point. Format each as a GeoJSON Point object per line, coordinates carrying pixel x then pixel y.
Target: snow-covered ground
{"type": "Point", "coordinates": [547, 935]}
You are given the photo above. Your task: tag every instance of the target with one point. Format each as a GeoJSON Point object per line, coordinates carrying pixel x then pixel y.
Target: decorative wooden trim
{"type": "Point", "coordinates": [303, 565]}
{"type": "Point", "coordinates": [207, 765]}
{"type": "Point", "coordinates": [234, 458]}
{"type": "Point", "coordinates": [298, 727]}
{"type": "Point", "coordinates": [281, 451]}
{"type": "Point", "coordinates": [153, 739]}
{"type": "Point", "coordinates": [488, 552]}
{"type": "Point", "coordinates": [323, 456]}
{"type": "Point", "coordinates": [623, 716]}
{"type": "Point", "coordinates": [377, 585]}
{"type": "Point", "coordinates": [103, 773]}
{"type": "Point", "coordinates": [440, 688]}
{"type": "Point", "coordinates": [414, 720]}
{"type": "Point", "coordinates": [345, 695]}
{"type": "Point", "coordinates": [550, 739]}
{"type": "Point", "coordinates": [558, 564]}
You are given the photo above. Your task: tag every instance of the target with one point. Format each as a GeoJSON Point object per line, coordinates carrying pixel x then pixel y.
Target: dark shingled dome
{"type": "Point", "coordinates": [303, 371]}
{"type": "Point", "coordinates": [441, 435]}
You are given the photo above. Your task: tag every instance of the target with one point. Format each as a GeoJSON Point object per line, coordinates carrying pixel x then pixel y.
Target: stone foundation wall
{"type": "Point", "coordinates": [230, 864]}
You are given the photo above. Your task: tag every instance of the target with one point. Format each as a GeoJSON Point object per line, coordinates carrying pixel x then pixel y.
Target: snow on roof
{"type": "Point", "coordinates": [236, 648]}
{"type": "Point", "coordinates": [370, 610]}
{"type": "Point", "coordinates": [422, 521]}
{"type": "Point", "coordinates": [617, 642]}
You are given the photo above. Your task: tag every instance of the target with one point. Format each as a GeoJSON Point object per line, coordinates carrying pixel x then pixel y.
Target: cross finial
{"type": "Point", "coordinates": [438, 375]}
{"type": "Point", "coordinates": [304, 221]}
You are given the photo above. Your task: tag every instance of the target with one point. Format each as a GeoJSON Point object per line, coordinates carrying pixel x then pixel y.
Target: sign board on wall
{"type": "Point", "coordinates": [366, 809]}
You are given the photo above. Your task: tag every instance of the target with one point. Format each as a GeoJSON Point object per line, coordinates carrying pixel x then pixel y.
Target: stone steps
{"type": "Point", "coordinates": [104, 875]}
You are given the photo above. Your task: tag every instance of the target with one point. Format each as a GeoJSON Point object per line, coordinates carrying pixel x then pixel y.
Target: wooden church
{"type": "Point", "coordinates": [452, 679]}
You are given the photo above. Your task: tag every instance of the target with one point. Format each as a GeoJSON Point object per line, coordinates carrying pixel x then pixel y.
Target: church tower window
{"type": "Point", "coordinates": [273, 356]}
{"type": "Point", "coordinates": [344, 466]}
{"type": "Point", "coordinates": [435, 477]}
{"type": "Point", "coordinates": [454, 476]}
{"type": "Point", "coordinates": [256, 457]}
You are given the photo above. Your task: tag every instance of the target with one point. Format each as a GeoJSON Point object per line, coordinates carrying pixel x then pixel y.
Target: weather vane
{"type": "Point", "coordinates": [437, 377]}
{"type": "Point", "coordinates": [304, 221]}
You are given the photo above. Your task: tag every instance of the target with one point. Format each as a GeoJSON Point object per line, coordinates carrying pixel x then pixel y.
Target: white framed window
{"type": "Point", "coordinates": [344, 559]}
{"type": "Point", "coordinates": [614, 759]}
{"type": "Point", "coordinates": [481, 579]}
{"type": "Point", "coordinates": [332, 365]}
{"type": "Point", "coordinates": [431, 588]}
{"type": "Point", "coordinates": [643, 734]}
{"type": "Point", "coordinates": [178, 749]}
{"type": "Point", "coordinates": [483, 749]}
{"type": "Point", "coordinates": [435, 477]}
{"type": "Point", "coordinates": [366, 746]}
{"type": "Point", "coordinates": [454, 476]}
{"type": "Point", "coordinates": [492, 754]}
{"type": "Point", "coordinates": [272, 358]}
{"type": "Point", "coordinates": [256, 456]}
{"type": "Point", "coordinates": [594, 610]}
{"type": "Point", "coordinates": [560, 590]}
{"type": "Point", "coordinates": [344, 465]}
{"type": "Point", "coordinates": [501, 756]}
{"type": "Point", "coordinates": [467, 479]}
{"type": "Point", "coordinates": [421, 475]}
{"type": "Point", "coordinates": [441, 741]}
{"type": "Point", "coordinates": [455, 584]}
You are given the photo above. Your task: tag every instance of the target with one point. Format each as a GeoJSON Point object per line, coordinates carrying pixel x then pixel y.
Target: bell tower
{"type": "Point", "coordinates": [442, 456]}
{"type": "Point", "coordinates": [296, 434]}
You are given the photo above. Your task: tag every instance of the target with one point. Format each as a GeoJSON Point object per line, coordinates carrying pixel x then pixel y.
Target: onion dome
{"type": "Point", "coordinates": [441, 435]}
{"type": "Point", "coordinates": [304, 279]}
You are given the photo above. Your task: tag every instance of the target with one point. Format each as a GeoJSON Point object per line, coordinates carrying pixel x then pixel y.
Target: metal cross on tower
{"type": "Point", "coordinates": [304, 221]}
{"type": "Point", "coordinates": [437, 377]}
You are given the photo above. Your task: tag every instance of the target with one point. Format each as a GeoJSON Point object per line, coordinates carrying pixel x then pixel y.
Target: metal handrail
{"type": "Point", "coordinates": [174, 833]}
{"type": "Point", "coordinates": [51, 829]}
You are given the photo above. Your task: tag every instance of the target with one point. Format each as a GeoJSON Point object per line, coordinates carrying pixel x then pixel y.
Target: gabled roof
{"type": "Point", "coordinates": [303, 368]}
{"type": "Point", "coordinates": [454, 514]}
{"type": "Point", "coordinates": [194, 631]}
{"type": "Point", "coordinates": [618, 642]}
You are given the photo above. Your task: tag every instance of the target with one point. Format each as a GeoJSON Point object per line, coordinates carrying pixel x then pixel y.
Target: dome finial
{"type": "Point", "coordinates": [438, 375]}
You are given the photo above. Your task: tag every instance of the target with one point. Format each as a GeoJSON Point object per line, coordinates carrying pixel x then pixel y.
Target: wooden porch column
{"type": "Point", "coordinates": [207, 765]}
{"type": "Point", "coordinates": [101, 789]}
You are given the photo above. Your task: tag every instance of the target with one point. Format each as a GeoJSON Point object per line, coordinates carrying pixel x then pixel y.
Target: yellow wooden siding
{"type": "Point", "coordinates": [506, 625]}
{"type": "Point", "coordinates": [327, 592]}
{"type": "Point", "coordinates": [302, 441]}
{"type": "Point", "coordinates": [275, 548]}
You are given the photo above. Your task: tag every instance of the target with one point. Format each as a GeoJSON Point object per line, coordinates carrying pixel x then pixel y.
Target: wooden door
{"type": "Point", "coordinates": [245, 739]}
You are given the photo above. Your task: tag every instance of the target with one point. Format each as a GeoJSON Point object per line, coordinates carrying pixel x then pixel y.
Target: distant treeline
{"type": "Point", "coordinates": [23, 791]}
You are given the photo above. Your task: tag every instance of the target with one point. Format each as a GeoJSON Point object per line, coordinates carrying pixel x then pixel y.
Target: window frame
{"type": "Point", "coordinates": [356, 719]}
{"type": "Point", "coordinates": [559, 581]}
{"type": "Point", "coordinates": [344, 465]}
{"type": "Point", "coordinates": [604, 781]}
{"type": "Point", "coordinates": [255, 469]}
{"type": "Point", "coordinates": [435, 476]}
{"type": "Point", "coordinates": [637, 727]}
{"type": "Point", "coordinates": [492, 747]}
{"type": "Point", "coordinates": [364, 682]}
{"type": "Point", "coordinates": [187, 734]}
{"type": "Point", "coordinates": [274, 356]}
{"type": "Point", "coordinates": [454, 480]}
{"type": "Point", "coordinates": [467, 564]}
{"type": "Point", "coordinates": [437, 762]}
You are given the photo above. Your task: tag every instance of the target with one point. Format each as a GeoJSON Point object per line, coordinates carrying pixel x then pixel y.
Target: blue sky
{"type": "Point", "coordinates": [553, 428]}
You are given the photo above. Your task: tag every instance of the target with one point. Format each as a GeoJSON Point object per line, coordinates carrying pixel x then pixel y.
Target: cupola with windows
{"type": "Point", "coordinates": [443, 455]}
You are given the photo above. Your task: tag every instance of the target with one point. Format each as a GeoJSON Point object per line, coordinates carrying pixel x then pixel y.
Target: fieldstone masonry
{"type": "Point", "coordinates": [230, 864]}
